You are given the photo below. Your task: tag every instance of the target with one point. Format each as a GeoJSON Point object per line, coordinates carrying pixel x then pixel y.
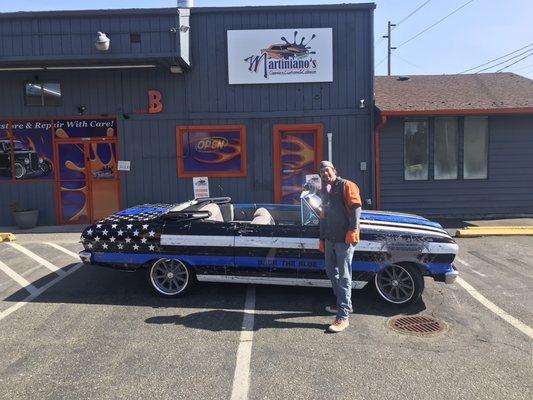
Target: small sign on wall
{"type": "Point", "coordinates": [200, 186]}
{"type": "Point", "coordinates": [123, 165]}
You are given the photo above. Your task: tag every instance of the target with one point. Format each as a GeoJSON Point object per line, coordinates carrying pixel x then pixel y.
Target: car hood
{"type": "Point", "coordinates": [141, 213]}
{"type": "Point", "coordinates": [399, 218]}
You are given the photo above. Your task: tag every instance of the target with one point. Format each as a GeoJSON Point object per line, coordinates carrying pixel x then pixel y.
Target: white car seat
{"type": "Point", "coordinates": [216, 214]}
{"type": "Point", "coordinates": [263, 217]}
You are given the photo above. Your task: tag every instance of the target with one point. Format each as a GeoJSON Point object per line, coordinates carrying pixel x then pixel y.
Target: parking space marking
{"type": "Point", "coordinates": [241, 378]}
{"type": "Point", "coordinates": [469, 266]}
{"type": "Point", "coordinates": [18, 278]}
{"type": "Point", "coordinates": [38, 292]}
{"type": "Point", "coordinates": [66, 251]}
{"type": "Point", "coordinates": [493, 307]}
{"type": "Point", "coordinates": [37, 258]}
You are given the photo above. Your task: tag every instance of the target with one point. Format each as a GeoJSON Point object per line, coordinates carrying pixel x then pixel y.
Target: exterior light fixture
{"type": "Point", "coordinates": [81, 110]}
{"type": "Point", "coordinates": [176, 69]}
{"type": "Point", "coordinates": [102, 42]}
{"type": "Point", "coordinates": [362, 103]}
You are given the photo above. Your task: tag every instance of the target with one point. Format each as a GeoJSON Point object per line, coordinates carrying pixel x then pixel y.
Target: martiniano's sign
{"type": "Point", "coordinates": [280, 56]}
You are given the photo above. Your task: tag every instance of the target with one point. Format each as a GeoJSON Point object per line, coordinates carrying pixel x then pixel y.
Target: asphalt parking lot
{"type": "Point", "coordinates": [74, 331]}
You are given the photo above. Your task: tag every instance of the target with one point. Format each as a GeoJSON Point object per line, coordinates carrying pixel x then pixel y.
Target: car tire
{"type": "Point", "coordinates": [170, 277]}
{"type": "Point", "coordinates": [399, 284]}
{"type": "Point", "coordinates": [20, 170]}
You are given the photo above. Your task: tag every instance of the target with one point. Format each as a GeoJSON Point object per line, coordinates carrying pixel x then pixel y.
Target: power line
{"type": "Point", "coordinates": [381, 62]}
{"type": "Point", "coordinates": [504, 61]}
{"type": "Point", "coordinates": [436, 23]}
{"type": "Point", "coordinates": [496, 59]}
{"type": "Point", "coordinates": [412, 13]}
{"type": "Point", "coordinates": [403, 20]}
{"type": "Point", "coordinates": [517, 61]}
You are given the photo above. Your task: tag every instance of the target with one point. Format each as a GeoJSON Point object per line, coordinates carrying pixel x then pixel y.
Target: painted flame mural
{"type": "Point", "coordinates": [74, 169]}
{"type": "Point", "coordinates": [297, 160]}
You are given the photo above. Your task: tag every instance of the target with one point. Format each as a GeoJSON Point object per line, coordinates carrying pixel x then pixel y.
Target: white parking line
{"type": "Point", "coordinates": [39, 291]}
{"type": "Point", "coordinates": [469, 266]}
{"type": "Point", "coordinates": [66, 251]}
{"type": "Point", "coordinates": [18, 278]}
{"type": "Point", "coordinates": [37, 258]}
{"type": "Point", "coordinates": [493, 307]}
{"type": "Point", "coordinates": [241, 379]}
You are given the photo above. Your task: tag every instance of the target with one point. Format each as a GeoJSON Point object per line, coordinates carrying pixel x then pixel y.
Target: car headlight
{"type": "Point", "coordinates": [26, 161]}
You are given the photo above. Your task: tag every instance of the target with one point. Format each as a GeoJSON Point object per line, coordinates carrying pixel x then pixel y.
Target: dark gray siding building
{"type": "Point", "coordinates": [42, 53]}
{"type": "Point", "coordinates": [455, 145]}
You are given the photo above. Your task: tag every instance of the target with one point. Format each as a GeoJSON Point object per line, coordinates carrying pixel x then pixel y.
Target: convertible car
{"type": "Point", "coordinates": [212, 239]}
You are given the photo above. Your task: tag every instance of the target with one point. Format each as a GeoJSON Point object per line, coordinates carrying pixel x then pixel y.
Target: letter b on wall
{"type": "Point", "coordinates": [154, 102]}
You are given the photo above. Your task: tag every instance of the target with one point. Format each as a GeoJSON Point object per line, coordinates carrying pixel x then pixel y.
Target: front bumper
{"type": "Point", "coordinates": [451, 276]}
{"type": "Point", "coordinates": [85, 257]}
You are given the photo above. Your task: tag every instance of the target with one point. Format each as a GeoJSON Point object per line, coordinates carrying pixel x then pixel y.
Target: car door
{"type": "Point", "coordinates": [206, 245]}
{"type": "Point", "coordinates": [311, 265]}
{"type": "Point", "coordinates": [254, 255]}
{"type": "Point", "coordinates": [268, 251]}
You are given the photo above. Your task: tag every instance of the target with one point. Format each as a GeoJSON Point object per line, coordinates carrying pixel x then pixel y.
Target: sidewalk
{"type": "Point", "coordinates": [453, 224]}
{"type": "Point", "coordinates": [60, 233]}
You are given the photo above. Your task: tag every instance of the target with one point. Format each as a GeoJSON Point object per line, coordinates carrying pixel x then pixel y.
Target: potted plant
{"type": "Point", "coordinates": [25, 218]}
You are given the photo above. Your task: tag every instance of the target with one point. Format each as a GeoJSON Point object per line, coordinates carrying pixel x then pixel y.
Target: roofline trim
{"type": "Point", "coordinates": [478, 111]}
{"type": "Point", "coordinates": [174, 10]}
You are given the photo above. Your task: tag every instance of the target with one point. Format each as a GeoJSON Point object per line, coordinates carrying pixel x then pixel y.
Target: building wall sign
{"type": "Point", "coordinates": [212, 150]}
{"type": "Point", "coordinates": [280, 56]}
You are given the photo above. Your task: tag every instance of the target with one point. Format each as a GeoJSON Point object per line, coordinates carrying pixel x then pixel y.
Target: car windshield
{"type": "Point", "coordinates": [183, 206]}
{"type": "Point", "coordinates": [311, 207]}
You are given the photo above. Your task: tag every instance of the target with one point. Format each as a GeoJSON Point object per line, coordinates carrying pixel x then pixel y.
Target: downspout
{"type": "Point", "coordinates": [377, 159]}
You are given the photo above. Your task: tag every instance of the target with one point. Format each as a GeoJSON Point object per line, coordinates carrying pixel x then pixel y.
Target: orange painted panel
{"type": "Point", "coordinates": [105, 198]}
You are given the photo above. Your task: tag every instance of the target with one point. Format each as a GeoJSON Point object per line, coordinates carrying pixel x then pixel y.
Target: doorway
{"type": "Point", "coordinates": [298, 149]}
{"type": "Point", "coordinates": [87, 179]}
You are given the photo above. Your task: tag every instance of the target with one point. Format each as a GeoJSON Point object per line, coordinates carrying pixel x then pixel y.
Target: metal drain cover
{"type": "Point", "coordinates": [419, 325]}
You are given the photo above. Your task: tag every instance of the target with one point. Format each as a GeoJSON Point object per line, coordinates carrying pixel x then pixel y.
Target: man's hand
{"type": "Point", "coordinates": [321, 246]}
{"type": "Point", "coordinates": [352, 237]}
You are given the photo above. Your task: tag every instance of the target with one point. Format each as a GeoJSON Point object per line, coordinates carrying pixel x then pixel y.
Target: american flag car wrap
{"type": "Point", "coordinates": [134, 230]}
{"type": "Point", "coordinates": [212, 240]}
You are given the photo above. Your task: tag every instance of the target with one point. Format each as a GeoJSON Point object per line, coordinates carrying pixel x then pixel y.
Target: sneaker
{"type": "Point", "coordinates": [338, 325]}
{"type": "Point", "coordinates": [334, 309]}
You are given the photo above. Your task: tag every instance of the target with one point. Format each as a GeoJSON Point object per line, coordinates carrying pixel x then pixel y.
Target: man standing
{"type": "Point", "coordinates": [339, 233]}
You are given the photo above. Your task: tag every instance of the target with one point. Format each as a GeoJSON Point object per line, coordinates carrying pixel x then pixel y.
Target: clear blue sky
{"type": "Point", "coordinates": [481, 31]}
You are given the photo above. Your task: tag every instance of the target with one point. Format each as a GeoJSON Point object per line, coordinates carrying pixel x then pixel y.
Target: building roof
{"type": "Point", "coordinates": [463, 94]}
{"type": "Point", "coordinates": [194, 10]}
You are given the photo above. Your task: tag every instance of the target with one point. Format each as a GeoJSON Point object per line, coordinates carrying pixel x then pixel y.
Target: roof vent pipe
{"type": "Point", "coordinates": [185, 3]}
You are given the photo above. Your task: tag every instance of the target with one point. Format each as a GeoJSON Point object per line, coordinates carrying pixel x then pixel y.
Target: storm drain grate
{"type": "Point", "coordinates": [417, 325]}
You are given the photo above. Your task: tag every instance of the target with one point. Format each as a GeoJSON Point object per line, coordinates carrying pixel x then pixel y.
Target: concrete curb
{"type": "Point", "coordinates": [477, 231]}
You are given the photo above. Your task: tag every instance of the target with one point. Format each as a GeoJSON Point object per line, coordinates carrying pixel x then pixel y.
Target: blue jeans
{"type": "Point", "coordinates": [339, 270]}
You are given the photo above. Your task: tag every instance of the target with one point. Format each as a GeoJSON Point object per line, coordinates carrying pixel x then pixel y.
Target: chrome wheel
{"type": "Point", "coordinates": [20, 170]}
{"type": "Point", "coordinates": [169, 277]}
{"type": "Point", "coordinates": [396, 284]}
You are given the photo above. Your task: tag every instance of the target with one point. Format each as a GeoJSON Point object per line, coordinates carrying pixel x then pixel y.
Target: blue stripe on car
{"type": "Point", "coordinates": [247, 262]}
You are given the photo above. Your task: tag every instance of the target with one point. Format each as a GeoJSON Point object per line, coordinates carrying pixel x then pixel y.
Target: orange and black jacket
{"type": "Point", "coordinates": [339, 209]}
